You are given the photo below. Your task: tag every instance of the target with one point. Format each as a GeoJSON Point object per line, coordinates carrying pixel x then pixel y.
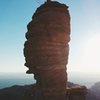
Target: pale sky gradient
{"type": "Point", "coordinates": [85, 34]}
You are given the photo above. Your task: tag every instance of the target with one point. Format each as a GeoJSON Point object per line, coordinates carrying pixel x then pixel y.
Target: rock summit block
{"type": "Point", "coordinates": [46, 49]}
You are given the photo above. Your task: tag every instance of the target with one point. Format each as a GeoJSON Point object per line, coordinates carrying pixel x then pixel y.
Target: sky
{"type": "Point", "coordinates": [84, 52]}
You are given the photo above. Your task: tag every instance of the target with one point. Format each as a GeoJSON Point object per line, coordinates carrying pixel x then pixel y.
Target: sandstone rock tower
{"type": "Point", "coordinates": [46, 49]}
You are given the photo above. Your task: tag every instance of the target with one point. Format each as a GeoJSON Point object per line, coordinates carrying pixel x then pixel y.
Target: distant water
{"type": "Point", "coordinates": [10, 79]}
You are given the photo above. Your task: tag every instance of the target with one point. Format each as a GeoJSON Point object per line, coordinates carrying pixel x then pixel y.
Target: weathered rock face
{"type": "Point", "coordinates": [76, 93]}
{"type": "Point", "coordinates": [46, 49]}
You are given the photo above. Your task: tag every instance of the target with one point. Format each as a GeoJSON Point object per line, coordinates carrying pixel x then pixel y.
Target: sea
{"type": "Point", "coordinates": [11, 79]}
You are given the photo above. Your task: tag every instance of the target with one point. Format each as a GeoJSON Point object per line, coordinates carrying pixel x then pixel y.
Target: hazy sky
{"type": "Point", "coordinates": [85, 34]}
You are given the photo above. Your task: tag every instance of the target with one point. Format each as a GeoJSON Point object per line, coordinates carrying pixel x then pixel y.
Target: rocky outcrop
{"type": "Point", "coordinates": [76, 93]}
{"type": "Point", "coordinates": [91, 96]}
{"type": "Point", "coordinates": [28, 92]}
{"type": "Point", "coordinates": [18, 93]}
{"type": "Point", "coordinates": [46, 49]}
{"type": "Point", "coordinates": [94, 92]}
